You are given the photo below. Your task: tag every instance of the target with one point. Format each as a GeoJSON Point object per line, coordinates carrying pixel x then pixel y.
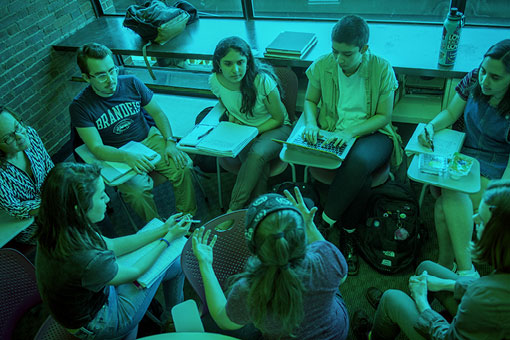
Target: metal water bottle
{"type": "Point", "coordinates": [451, 35]}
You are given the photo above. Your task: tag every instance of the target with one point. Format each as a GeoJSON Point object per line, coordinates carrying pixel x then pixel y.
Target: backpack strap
{"type": "Point", "coordinates": [144, 52]}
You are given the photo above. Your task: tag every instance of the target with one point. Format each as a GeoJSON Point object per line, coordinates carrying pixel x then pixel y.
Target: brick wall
{"type": "Point", "coordinates": [35, 79]}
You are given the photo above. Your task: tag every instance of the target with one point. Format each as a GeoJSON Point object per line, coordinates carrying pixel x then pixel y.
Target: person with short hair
{"type": "Point", "coordinates": [249, 91]}
{"type": "Point", "coordinates": [350, 92]}
{"type": "Point", "coordinates": [110, 112]}
{"type": "Point", "coordinates": [480, 306]}
{"type": "Point", "coordinates": [482, 102]}
{"type": "Point", "coordinates": [88, 291]}
{"type": "Point", "coordinates": [289, 288]}
{"type": "Point", "coordinates": [24, 164]}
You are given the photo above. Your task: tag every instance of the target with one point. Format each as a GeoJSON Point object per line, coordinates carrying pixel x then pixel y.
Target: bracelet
{"type": "Point", "coordinates": [166, 241]}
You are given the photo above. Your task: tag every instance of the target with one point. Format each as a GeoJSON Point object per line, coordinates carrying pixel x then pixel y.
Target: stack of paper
{"type": "Point", "coordinates": [163, 262]}
{"type": "Point", "coordinates": [291, 45]}
{"type": "Point", "coordinates": [224, 140]}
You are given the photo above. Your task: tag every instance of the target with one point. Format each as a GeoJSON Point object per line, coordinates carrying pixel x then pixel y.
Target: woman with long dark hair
{"type": "Point", "coordinates": [289, 288]}
{"type": "Point", "coordinates": [86, 289]}
{"type": "Point", "coordinates": [249, 91]}
{"type": "Point", "coordinates": [483, 98]}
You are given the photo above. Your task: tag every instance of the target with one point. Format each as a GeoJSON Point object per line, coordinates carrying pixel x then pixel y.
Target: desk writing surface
{"type": "Point", "coordinates": [469, 184]}
{"type": "Point", "coordinates": [410, 48]}
{"type": "Point", "coordinates": [11, 226]}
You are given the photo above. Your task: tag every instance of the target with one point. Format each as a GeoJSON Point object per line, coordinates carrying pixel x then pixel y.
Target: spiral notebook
{"type": "Point", "coordinates": [225, 139]}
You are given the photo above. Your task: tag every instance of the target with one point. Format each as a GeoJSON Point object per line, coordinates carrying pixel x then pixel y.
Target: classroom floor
{"type": "Point", "coordinates": [353, 290]}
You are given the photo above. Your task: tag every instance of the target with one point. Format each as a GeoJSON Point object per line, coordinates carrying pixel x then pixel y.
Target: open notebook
{"type": "Point", "coordinates": [446, 142]}
{"type": "Point", "coordinates": [296, 141]}
{"type": "Point", "coordinates": [225, 139]}
{"type": "Point", "coordinates": [163, 262]}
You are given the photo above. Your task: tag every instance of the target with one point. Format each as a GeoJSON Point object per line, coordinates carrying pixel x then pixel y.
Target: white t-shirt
{"type": "Point", "coordinates": [233, 99]}
{"type": "Point", "coordinates": [352, 100]}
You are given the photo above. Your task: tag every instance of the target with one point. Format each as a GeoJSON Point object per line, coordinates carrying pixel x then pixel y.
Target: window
{"type": "Point", "coordinates": [224, 8]}
{"type": "Point", "coordinates": [486, 12]}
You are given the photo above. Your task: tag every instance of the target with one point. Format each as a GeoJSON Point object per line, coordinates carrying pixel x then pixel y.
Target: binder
{"type": "Point", "coordinates": [291, 45]}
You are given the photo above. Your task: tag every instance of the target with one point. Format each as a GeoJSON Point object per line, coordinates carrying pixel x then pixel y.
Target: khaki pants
{"type": "Point", "coordinates": [137, 192]}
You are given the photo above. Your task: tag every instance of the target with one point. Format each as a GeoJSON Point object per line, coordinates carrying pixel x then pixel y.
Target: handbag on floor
{"type": "Point", "coordinates": [156, 22]}
{"type": "Point", "coordinates": [391, 237]}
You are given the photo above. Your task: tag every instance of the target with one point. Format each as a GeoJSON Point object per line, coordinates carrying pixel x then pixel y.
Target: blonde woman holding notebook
{"type": "Point", "coordinates": [483, 99]}
{"type": "Point", "coordinates": [86, 289]}
{"type": "Point", "coordinates": [249, 91]}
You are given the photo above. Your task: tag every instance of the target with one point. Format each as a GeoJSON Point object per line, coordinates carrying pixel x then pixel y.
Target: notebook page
{"type": "Point", "coordinates": [446, 142]}
{"type": "Point", "coordinates": [199, 132]}
{"type": "Point", "coordinates": [228, 137]}
{"type": "Point", "coordinates": [163, 262]}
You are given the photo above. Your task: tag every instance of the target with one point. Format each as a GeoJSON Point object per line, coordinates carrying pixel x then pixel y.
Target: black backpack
{"type": "Point", "coordinates": [390, 239]}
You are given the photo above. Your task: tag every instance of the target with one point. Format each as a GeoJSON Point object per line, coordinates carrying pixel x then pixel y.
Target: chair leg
{"type": "Point", "coordinates": [218, 177]}
{"type": "Point", "coordinates": [195, 173]}
{"type": "Point", "coordinates": [305, 174]}
{"type": "Point", "coordinates": [422, 194]}
{"type": "Point", "coordinates": [126, 210]}
{"type": "Point", "coordinates": [293, 168]}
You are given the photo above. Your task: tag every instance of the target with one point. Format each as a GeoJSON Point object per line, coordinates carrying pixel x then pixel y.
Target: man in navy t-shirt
{"type": "Point", "coordinates": [110, 112]}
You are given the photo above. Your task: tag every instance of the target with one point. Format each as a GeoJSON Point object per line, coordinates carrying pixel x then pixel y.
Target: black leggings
{"type": "Point", "coordinates": [354, 176]}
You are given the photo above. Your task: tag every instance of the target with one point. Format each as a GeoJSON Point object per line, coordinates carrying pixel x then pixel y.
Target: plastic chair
{"type": "Point", "coordinates": [230, 253]}
{"type": "Point", "coordinates": [18, 289]}
{"type": "Point", "coordinates": [186, 317]}
{"type": "Point", "coordinates": [289, 85]}
{"type": "Point", "coordinates": [326, 176]}
{"type": "Point", "coordinates": [51, 330]}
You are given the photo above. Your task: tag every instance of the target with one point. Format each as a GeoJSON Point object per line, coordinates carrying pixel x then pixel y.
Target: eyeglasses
{"type": "Point", "coordinates": [105, 76]}
{"type": "Point", "coordinates": [12, 137]}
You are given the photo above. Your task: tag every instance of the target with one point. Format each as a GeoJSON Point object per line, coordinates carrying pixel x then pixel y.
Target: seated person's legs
{"type": "Point", "coordinates": [137, 192]}
{"type": "Point", "coordinates": [396, 312]}
{"type": "Point", "coordinates": [254, 171]}
{"type": "Point", "coordinates": [367, 154]}
{"type": "Point", "coordinates": [180, 177]}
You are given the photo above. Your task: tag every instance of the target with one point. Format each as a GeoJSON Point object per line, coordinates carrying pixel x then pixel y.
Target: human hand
{"type": "Point", "coordinates": [140, 163]}
{"type": "Point", "coordinates": [311, 133]}
{"type": "Point", "coordinates": [201, 248]}
{"type": "Point", "coordinates": [418, 287]}
{"type": "Point", "coordinates": [177, 229]}
{"type": "Point", "coordinates": [426, 137]}
{"type": "Point", "coordinates": [339, 137]}
{"type": "Point", "coordinates": [301, 206]}
{"type": "Point", "coordinates": [180, 158]}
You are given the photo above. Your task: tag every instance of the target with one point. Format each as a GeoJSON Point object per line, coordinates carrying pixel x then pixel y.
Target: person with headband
{"type": "Point", "coordinates": [480, 306]}
{"type": "Point", "coordinates": [289, 288]}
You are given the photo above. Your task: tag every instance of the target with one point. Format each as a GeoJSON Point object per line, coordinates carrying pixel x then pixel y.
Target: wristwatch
{"type": "Point", "coordinates": [173, 139]}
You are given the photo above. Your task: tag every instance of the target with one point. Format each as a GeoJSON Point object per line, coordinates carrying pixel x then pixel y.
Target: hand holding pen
{"type": "Point", "coordinates": [426, 137]}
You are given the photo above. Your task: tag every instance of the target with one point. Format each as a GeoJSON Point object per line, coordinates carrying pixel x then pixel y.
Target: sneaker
{"type": "Point", "coordinates": [348, 249]}
{"type": "Point", "coordinates": [361, 325]}
{"type": "Point", "coordinates": [373, 296]}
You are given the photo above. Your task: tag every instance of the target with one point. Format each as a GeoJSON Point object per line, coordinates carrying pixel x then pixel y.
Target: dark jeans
{"type": "Point", "coordinates": [355, 175]}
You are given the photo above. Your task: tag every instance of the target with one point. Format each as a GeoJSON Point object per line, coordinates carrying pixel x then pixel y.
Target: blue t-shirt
{"type": "Point", "coordinates": [119, 118]}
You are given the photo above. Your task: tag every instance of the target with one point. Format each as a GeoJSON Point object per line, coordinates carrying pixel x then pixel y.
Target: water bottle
{"type": "Point", "coordinates": [451, 35]}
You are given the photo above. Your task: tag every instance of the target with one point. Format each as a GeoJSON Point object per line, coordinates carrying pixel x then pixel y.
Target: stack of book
{"type": "Point", "coordinates": [291, 45]}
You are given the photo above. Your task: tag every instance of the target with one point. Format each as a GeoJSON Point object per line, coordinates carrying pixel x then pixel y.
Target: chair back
{"type": "Point", "coordinates": [289, 84]}
{"type": "Point", "coordinates": [51, 330]}
{"type": "Point", "coordinates": [230, 253]}
{"type": "Point", "coordinates": [18, 289]}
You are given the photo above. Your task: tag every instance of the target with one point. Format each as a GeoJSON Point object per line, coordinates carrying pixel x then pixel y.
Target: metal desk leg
{"type": "Point", "coordinates": [293, 167]}
{"type": "Point", "coordinates": [218, 174]}
{"type": "Point", "coordinates": [422, 194]}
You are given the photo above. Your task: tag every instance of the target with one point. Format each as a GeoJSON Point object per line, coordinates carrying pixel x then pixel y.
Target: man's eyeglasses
{"type": "Point", "coordinates": [105, 76]}
{"type": "Point", "coordinates": [11, 137]}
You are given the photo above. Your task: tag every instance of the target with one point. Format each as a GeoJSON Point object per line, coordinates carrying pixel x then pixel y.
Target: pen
{"type": "Point", "coordinates": [429, 140]}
